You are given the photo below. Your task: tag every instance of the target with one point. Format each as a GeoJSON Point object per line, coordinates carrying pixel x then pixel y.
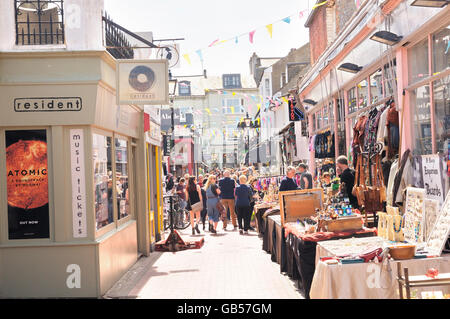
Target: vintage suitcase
{"type": "Point", "coordinates": [345, 224]}
{"type": "Point", "coordinates": [300, 204]}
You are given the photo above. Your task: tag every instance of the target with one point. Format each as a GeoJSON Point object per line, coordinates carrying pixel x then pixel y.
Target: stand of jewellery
{"type": "Point", "coordinates": [174, 242]}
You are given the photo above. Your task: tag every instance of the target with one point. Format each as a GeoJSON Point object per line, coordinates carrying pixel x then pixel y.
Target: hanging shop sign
{"type": "Point", "coordinates": [142, 82]}
{"type": "Point", "coordinates": [78, 183]}
{"type": "Point", "coordinates": [27, 184]}
{"type": "Point", "coordinates": [294, 113]}
{"type": "Point", "coordinates": [48, 104]}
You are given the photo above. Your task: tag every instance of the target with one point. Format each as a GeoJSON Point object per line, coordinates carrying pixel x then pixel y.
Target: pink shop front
{"type": "Point", "coordinates": [386, 103]}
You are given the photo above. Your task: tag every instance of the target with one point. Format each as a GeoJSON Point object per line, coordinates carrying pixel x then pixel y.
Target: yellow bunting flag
{"type": "Point", "coordinates": [319, 4]}
{"type": "Point", "coordinates": [208, 110]}
{"type": "Point", "coordinates": [232, 109]}
{"type": "Point", "coordinates": [234, 93]}
{"type": "Point", "coordinates": [269, 28]}
{"type": "Point", "coordinates": [188, 59]}
{"type": "Point", "coordinates": [259, 106]}
{"type": "Point", "coordinates": [285, 100]}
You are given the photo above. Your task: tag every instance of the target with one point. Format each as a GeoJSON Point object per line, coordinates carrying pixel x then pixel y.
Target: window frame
{"type": "Point", "coordinates": [117, 223]}
{"type": "Point", "coordinates": [60, 11]}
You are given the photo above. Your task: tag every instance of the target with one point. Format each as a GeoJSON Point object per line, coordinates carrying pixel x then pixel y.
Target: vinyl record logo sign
{"type": "Point", "coordinates": [142, 82]}
{"type": "Point", "coordinates": [141, 78]}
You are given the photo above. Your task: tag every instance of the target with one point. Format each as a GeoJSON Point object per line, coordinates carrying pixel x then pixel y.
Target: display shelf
{"type": "Point", "coordinates": [409, 282]}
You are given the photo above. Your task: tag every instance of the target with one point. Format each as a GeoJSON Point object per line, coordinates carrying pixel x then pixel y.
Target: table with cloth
{"type": "Point", "coordinates": [370, 280]}
{"type": "Point", "coordinates": [298, 252]}
{"type": "Point", "coordinates": [259, 210]}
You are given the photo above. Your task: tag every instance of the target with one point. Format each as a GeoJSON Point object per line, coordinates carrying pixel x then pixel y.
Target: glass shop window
{"type": "Point", "coordinates": [421, 120]}
{"type": "Point", "coordinates": [103, 180]}
{"type": "Point", "coordinates": [340, 110]}
{"type": "Point", "coordinates": [390, 77]}
{"type": "Point", "coordinates": [441, 50]}
{"type": "Point", "coordinates": [325, 115]}
{"type": "Point", "coordinates": [319, 119]}
{"type": "Point", "coordinates": [314, 122]}
{"type": "Point", "coordinates": [441, 92]}
{"type": "Point", "coordinates": [122, 181]}
{"type": "Point", "coordinates": [351, 97]}
{"type": "Point", "coordinates": [341, 138]}
{"type": "Point", "coordinates": [363, 93]}
{"type": "Point", "coordinates": [376, 86]}
{"type": "Point", "coordinates": [331, 108]}
{"type": "Point", "coordinates": [418, 62]}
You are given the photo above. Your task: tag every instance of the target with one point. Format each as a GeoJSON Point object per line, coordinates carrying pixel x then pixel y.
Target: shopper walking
{"type": "Point", "coordinates": [227, 186]}
{"type": "Point", "coordinates": [244, 196]}
{"type": "Point", "coordinates": [194, 200]}
{"type": "Point", "coordinates": [212, 195]}
{"type": "Point", "coordinates": [181, 192]}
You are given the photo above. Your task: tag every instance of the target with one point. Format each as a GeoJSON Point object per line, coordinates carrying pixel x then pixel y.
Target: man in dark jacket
{"type": "Point", "coordinates": [288, 183]}
{"type": "Point", "coordinates": [347, 178]}
{"type": "Point", "coordinates": [227, 186]}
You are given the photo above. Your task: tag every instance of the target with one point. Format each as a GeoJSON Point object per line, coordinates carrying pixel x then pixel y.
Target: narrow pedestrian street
{"type": "Point", "coordinates": [228, 266]}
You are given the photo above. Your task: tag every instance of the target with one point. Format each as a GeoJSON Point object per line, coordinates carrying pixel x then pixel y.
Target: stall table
{"type": "Point", "coordinates": [368, 280]}
{"type": "Point", "coordinates": [299, 253]}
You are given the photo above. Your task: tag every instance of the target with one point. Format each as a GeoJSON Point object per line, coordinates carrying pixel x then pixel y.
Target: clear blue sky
{"type": "Point", "coordinates": [201, 22]}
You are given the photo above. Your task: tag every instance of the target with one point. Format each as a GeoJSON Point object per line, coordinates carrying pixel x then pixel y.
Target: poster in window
{"type": "Point", "coordinates": [27, 184]}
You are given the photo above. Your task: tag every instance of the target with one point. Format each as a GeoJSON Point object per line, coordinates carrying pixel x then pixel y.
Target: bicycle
{"type": "Point", "coordinates": [181, 216]}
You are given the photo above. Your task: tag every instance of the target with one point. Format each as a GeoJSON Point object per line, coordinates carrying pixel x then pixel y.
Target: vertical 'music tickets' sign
{"type": "Point", "coordinates": [27, 184]}
{"type": "Point", "coordinates": [78, 183]}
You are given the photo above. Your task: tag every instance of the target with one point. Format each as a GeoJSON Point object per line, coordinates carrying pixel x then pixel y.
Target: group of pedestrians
{"type": "Point", "coordinates": [212, 198]}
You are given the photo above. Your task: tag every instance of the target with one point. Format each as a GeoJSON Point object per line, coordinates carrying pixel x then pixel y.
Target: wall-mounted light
{"type": "Point", "coordinates": [386, 37]}
{"type": "Point", "coordinates": [350, 67]}
{"type": "Point", "coordinates": [309, 101]}
{"type": "Point", "coordinates": [430, 3]}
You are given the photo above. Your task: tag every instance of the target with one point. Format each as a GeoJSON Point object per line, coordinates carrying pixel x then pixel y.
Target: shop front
{"type": "Point", "coordinates": [71, 223]}
{"type": "Point", "coordinates": [385, 107]}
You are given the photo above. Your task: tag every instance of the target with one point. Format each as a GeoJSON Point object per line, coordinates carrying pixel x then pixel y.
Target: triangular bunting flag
{"type": "Point", "coordinates": [269, 28]}
{"type": "Point", "coordinates": [199, 53]}
{"type": "Point", "coordinates": [287, 20]}
{"type": "Point", "coordinates": [251, 35]}
{"type": "Point", "coordinates": [188, 59]}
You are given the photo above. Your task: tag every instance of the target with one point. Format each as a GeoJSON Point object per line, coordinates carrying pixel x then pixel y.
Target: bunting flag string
{"type": "Point", "coordinates": [251, 34]}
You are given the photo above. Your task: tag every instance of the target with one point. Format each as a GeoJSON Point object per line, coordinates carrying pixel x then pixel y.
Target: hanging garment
{"type": "Point", "coordinates": [390, 186]}
{"type": "Point", "coordinates": [393, 136]}
{"type": "Point", "coordinates": [403, 178]}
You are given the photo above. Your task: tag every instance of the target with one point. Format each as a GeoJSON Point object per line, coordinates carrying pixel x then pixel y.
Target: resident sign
{"type": "Point", "coordinates": [48, 104]}
{"type": "Point", "coordinates": [142, 82]}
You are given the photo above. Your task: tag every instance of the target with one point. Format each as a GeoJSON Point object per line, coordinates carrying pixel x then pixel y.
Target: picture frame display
{"type": "Point", "coordinates": [414, 215]}
{"type": "Point", "coordinates": [441, 229]}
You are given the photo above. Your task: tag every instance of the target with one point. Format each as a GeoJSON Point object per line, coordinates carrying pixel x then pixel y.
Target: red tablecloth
{"type": "Point", "coordinates": [291, 228]}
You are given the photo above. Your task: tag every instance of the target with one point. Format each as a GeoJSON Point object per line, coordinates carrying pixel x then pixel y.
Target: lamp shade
{"type": "Point", "coordinates": [386, 37]}
{"type": "Point", "coordinates": [350, 67]}
{"type": "Point", "coordinates": [430, 3]}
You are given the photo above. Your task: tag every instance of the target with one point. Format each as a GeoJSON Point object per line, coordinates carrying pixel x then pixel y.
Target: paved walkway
{"type": "Point", "coordinates": [229, 265]}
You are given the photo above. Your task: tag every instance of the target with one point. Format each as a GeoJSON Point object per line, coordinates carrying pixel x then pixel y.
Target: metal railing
{"type": "Point", "coordinates": [116, 42]}
{"type": "Point", "coordinates": [39, 22]}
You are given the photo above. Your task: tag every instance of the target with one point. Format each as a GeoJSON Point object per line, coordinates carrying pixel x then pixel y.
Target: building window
{"type": "Point", "coordinates": [267, 87]}
{"type": "Point", "coordinates": [351, 98]}
{"type": "Point", "coordinates": [283, 79]}
{"type": "Point", "coordinates": [441, 95]}
{"type": "Point", "coordinates": [103, 180]}
{"type": "Point", "coordinates": [232, 106]}
{"type": "Point", "coordinates": [314, 122]}
{"type": "Point", "coordinates": [231, 81]}
{"type": "Point", "coordinates": [376, 86]}
{"type": "Point", "coordinates": [184, 88]}
{"type": "Point", "coordinates": [418, 61]}
{"type": "Point", "coordinates": [122, 171]}
{"type": "Point", "coordinates": [390, 78]}
{"type": "Point", "coordinates": [441, 50]}
{"type": "Point", "coordinates": [325, 115]}
{"type": "Point", "coordinates": [421, 120]}
{"type": "Point", "coordinates": [363, 94]}
{"type": "Point", "coordinates": [39, 22]}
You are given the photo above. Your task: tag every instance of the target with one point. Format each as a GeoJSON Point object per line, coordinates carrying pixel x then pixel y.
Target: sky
{"type": "Point", "coordinates": [201, 22]}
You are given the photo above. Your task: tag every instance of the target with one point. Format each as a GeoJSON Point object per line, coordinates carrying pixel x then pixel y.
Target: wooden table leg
{"type": "Point", "coordinates": [399, 277]}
